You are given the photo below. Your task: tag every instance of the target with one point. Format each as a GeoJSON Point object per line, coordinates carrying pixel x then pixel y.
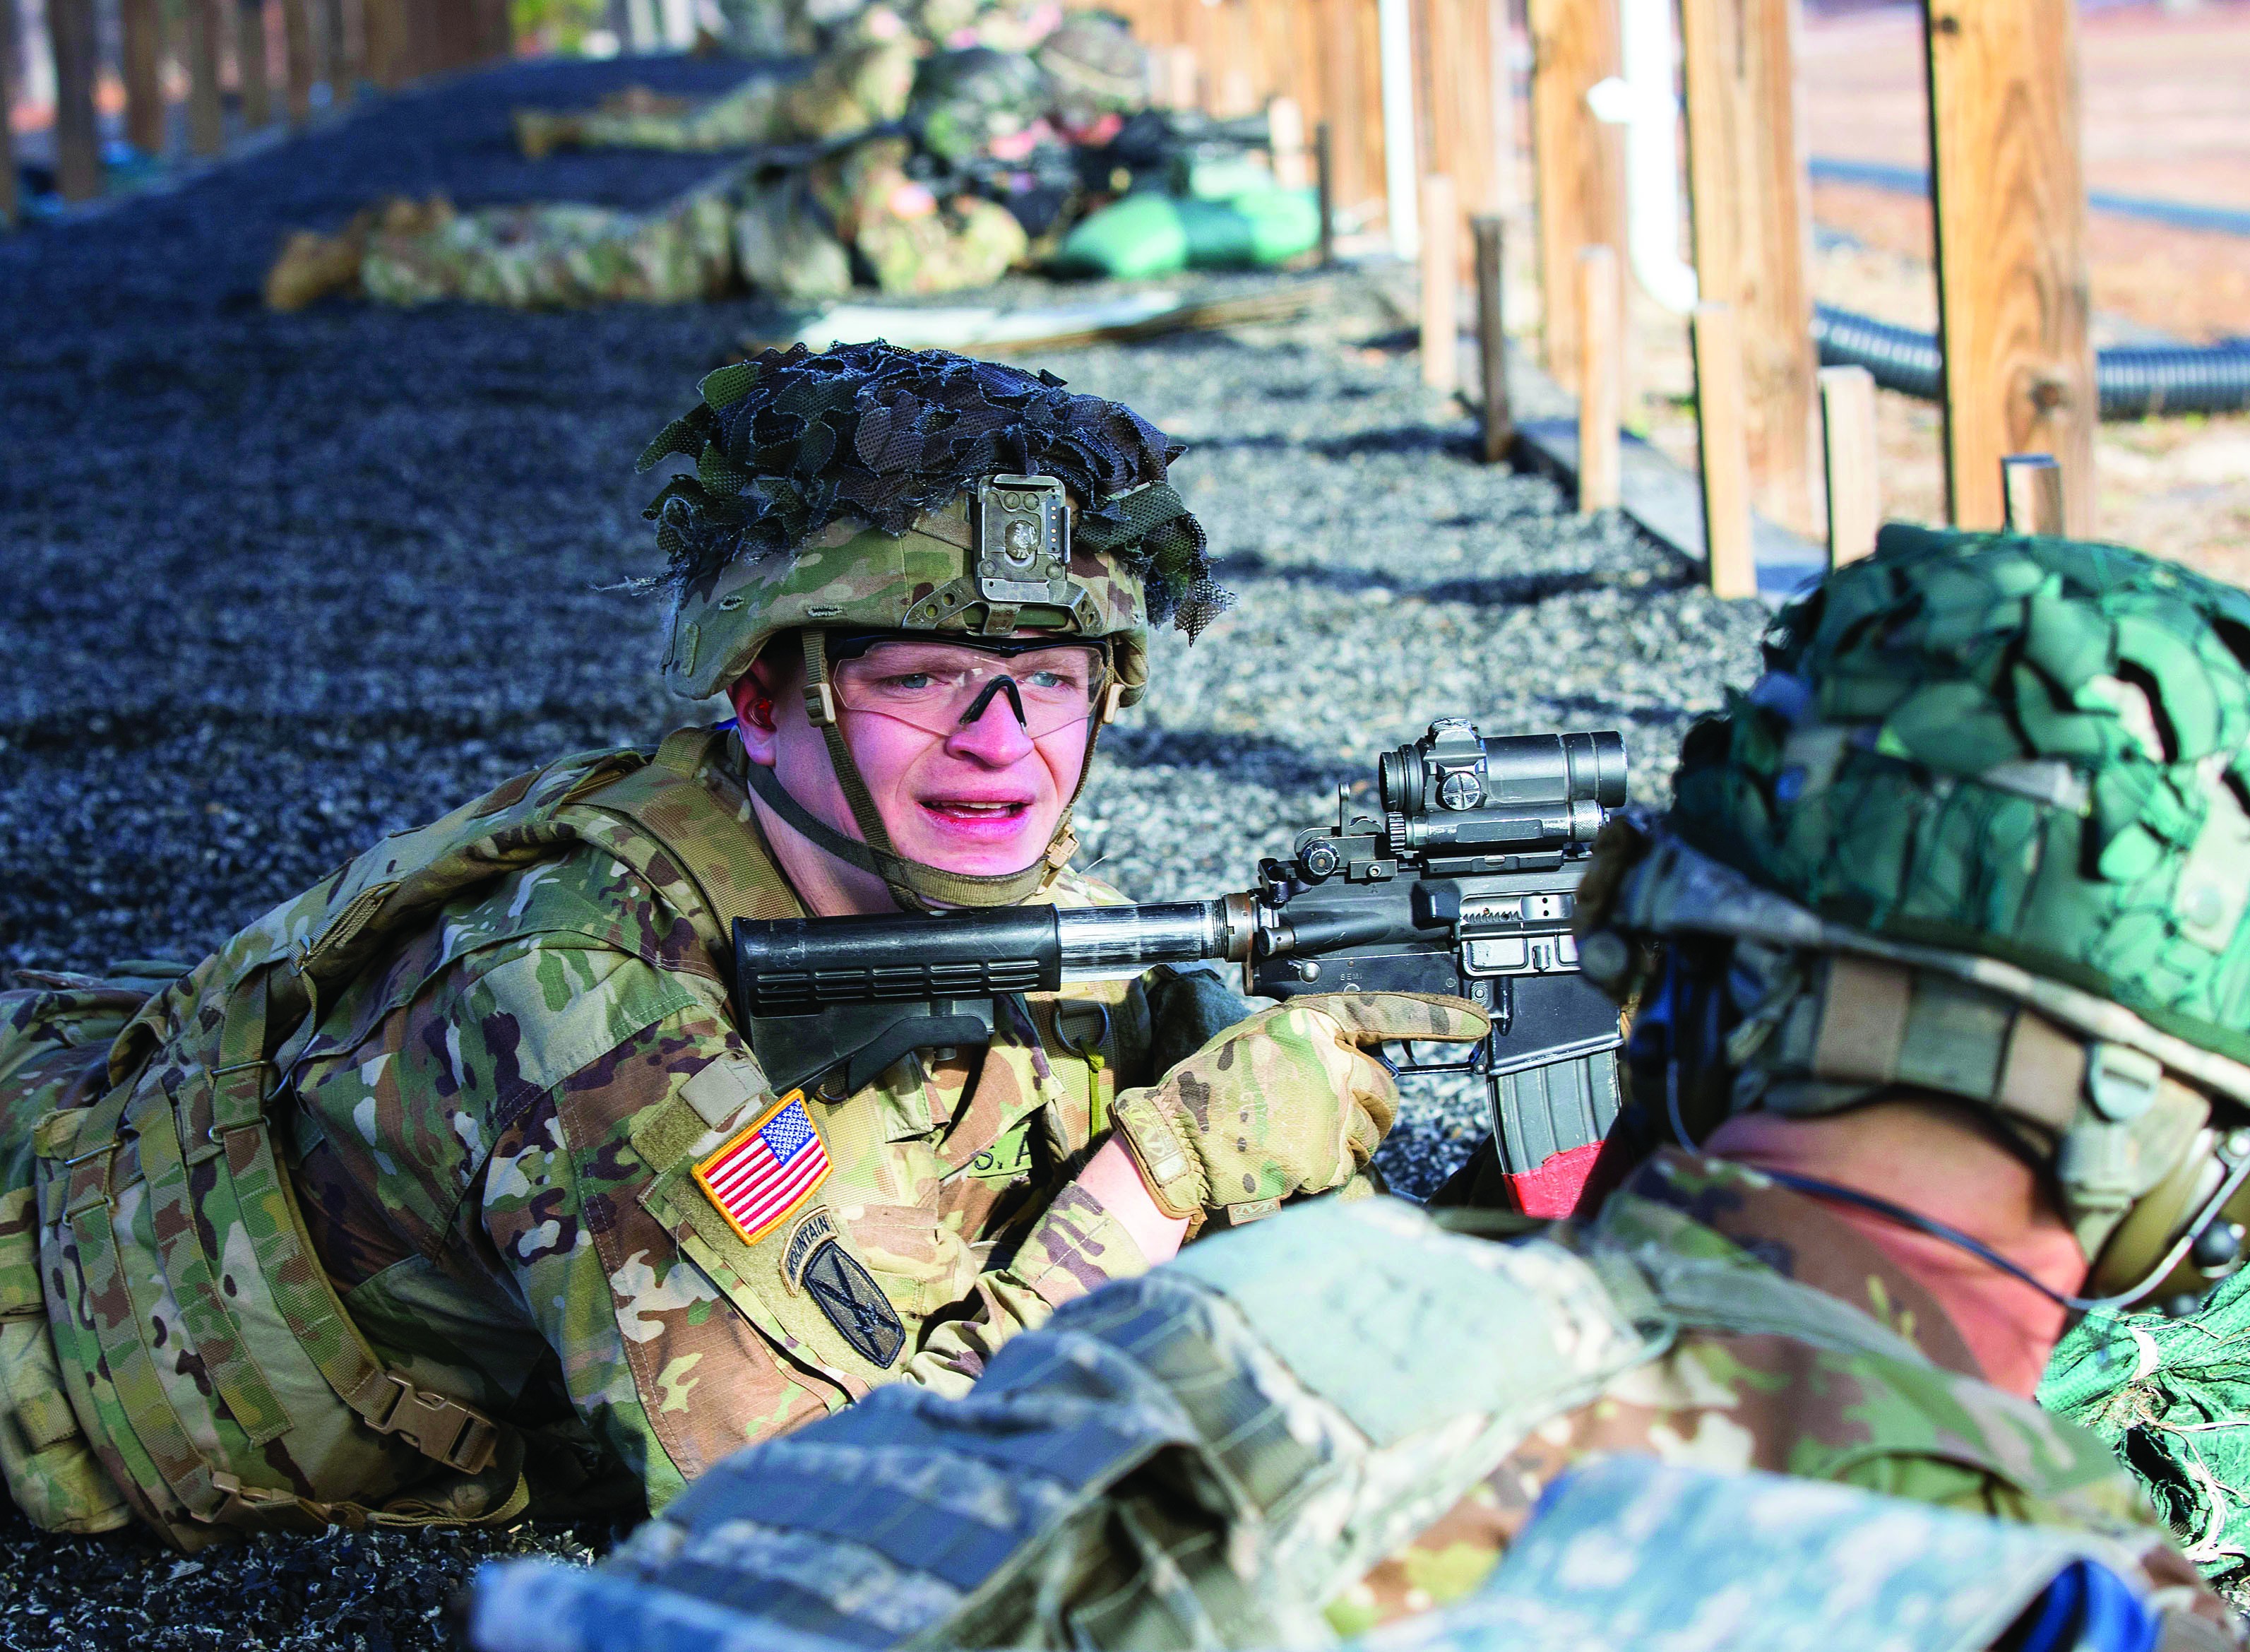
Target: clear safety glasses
{"type": "Point", "coordinates": [940, 686]}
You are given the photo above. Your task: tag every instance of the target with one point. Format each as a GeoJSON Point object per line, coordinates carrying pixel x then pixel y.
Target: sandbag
{"type": "Point", "coordinates": [1148, 234]}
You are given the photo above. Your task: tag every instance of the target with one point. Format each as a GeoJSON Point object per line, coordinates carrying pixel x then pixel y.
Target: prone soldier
{"type": "Point", "coordinates": [1938, 962]}
{"type": "Point", "coordinates": [450, 1189]}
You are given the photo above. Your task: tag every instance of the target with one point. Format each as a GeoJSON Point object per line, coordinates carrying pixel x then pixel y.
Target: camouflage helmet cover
{"type": "Point", "coordinates": [832, 489]}
{"type": "Point", "coordinates": [1979, 829]}
{"type": "Point", "coordinates": [2035, 749]}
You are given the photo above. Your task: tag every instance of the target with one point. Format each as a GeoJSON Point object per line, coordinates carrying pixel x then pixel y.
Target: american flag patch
{"type": "Point", "coordinates": [768, 1170]}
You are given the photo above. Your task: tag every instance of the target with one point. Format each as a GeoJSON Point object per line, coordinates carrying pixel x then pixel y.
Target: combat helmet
{"type": "Point", "coordinates": [1982, 828]}
{"type": "Point", "coordinates": [967, 99]}
{"type": "Point", "coordinates": [870, 488]}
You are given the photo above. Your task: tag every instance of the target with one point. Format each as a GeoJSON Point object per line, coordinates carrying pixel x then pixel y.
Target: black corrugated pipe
{"type": "Point", "coordinates": [2135, 381]}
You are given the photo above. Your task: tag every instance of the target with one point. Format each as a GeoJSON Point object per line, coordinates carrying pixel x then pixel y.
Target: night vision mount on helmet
{"type": "Point", "coordinates": [871, 488]}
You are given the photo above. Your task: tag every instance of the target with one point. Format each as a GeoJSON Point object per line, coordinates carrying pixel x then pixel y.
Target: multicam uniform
{"type": "Point", "coordinates": [1973, 843]}
{"type": "Point", "coordinates": [791, 232]}
{"type": "Point", "coordinates": [1292, 1464]}
{"type": "Point", "coordinates": [450, 1185]}
{"type": "Point", "coordinates": [490, 1129]}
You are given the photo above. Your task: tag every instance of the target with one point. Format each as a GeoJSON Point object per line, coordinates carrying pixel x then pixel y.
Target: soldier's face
{"type": "Point", "coordinates": [982, 796]}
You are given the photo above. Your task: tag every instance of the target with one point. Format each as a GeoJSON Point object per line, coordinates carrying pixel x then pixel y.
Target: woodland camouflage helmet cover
{"type": "Point", "coordinates": [835, 489]}
{"type": "Point", "coordinates": [1992, 773]}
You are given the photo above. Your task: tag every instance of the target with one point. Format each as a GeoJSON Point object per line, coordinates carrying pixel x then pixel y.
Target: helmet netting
{"type": "Point", "coordinates": [787, 444]}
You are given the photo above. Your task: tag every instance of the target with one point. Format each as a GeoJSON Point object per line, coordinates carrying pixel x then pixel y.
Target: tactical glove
{"type": "Point", "coordinates": [1290, 1102]}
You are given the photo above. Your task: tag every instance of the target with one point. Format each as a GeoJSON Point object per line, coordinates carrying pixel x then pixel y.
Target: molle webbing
{"type": "Point", "coordinates": [165, 1201]}
{"type": "Point", "coordinates": [211, 1145]}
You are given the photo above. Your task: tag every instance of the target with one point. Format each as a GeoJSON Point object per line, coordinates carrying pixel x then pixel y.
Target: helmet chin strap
{"type": "Point", "coordinates": [915, 885]}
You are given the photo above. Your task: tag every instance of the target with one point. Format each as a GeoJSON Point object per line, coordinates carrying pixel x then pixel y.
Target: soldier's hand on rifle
{"type": "Point", "coordinates": [1292, 1101]}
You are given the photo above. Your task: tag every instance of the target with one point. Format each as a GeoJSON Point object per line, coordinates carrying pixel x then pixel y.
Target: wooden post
{"type": "Point", "coordinates": [383, 26]}
{"type": "Point", "coordinates": [1340, 96]}
{"type": "Point", "coordinates": [2036, 500]}
{"type": "Point", "coordinates": [297, 42]}
{"type": "Point", "coordinates": [1853, 462]}
{"type": "Point", "coordinates": [1776, 305]}
{"type": "Point", "coordinates": [1498, 422]}
{"type": "Point", "coordinates": [1601, 380]}
{"type": "Point", "coordinates": [206, 109]}
{"type": "Point", "coordinates": [1458, 65]}
{"type": "Point", "coordinates": [1324, 180]}
{"type": "Point", "coordinates": [500, 32]}
{"type": "Point", "coordinates": [1285, 141]}
{"type": "Point", "coordinates": [1441, 286]}
{"type": "Point", "coordinates": [1753, 227]}
{"type": "Point", "coordinates": [1508, 190]}
{"type": "Point", "coordinates": [1401, 173]}
{"type": "Point", "coordinates": [339, 62]}
{"type": "Point", "coordinates": [78, 141]}
{"type": "Point", "coordinates": [2009, 200]}
{"type": "Point", "coordinates": [250, 67]}
{"type": "Point", "coordinates": [1181, 81]}
{"type": "Point", "coordinates": [1579, 162]}
{"type": "Point", "coordinates": [141, 30]}
{"type": "Point", "coordinates": [1730, 566]}
{"type": "Point", "coordinates": [12, 208]}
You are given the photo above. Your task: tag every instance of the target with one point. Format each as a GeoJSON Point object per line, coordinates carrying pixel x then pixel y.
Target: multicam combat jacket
{"type": "Point", "coordinates": [1887, 1398]}
{"type": "Point", "coordinates": [492, 1119]}
{"type": "Point", "coordinates": [1344, 1414]}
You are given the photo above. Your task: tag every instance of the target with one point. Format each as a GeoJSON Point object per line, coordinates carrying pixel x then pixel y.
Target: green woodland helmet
{"type": "Point", "coordinates": [868, 488]}
{"type": "Point", "coordinates": [1983, 828]}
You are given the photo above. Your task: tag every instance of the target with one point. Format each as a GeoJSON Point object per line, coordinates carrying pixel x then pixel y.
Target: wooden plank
{"type": "Point", "coordinates": [2008, 199]}
{"type": "Point", "coordinates": [78, 138]}
{"type": "Point", "coordinates": [141, 44]}
{"type": "Point", "coordinates": [1579, 162]}
{"type": "Point", "coordinates": [250, 65]}
{"type": "Point", "coordinates": [1722, 451]}
{"type": "Point", "coordinates": [1495, 420]}
{"type": "Point", "coordinates": [206, 104]}
{"type": "Point", "coordinates": [1601, 378]}
{"type": "Point", "coordinates": [1324, 183]}
{"type": "Point", "coordinates": [1853, 462]}
{"type": "Point", "coordinates": [1441, 286]}
{"type": "Point", "coordinates": [297, 59]}
{"type": "Point", "coordinates": [2032, 486]}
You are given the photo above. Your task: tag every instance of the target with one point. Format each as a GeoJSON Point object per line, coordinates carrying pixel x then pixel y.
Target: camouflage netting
{"type": "Point", "coordinates": [789, 443]}
{"type": "Point", "coordinates": [2084, 709]}
{"type": "Point", "coordinates": [2173, 1397]}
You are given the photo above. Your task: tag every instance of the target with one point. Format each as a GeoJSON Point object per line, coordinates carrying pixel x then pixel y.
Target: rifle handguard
{"type": "Point", "coordinates": [1167, 1162]}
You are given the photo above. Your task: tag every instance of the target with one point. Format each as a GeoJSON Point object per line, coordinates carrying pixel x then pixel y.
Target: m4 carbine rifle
{"type": "Point", "coordinates": [1464, 884]}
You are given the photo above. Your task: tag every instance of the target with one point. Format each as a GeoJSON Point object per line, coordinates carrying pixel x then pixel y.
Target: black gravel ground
{"type": "Point", "coordinates": [273, 585]}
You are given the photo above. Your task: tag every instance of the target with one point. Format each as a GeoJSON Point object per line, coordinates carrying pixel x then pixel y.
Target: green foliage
{"type": "Point", "coordinates": [560, 25]}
